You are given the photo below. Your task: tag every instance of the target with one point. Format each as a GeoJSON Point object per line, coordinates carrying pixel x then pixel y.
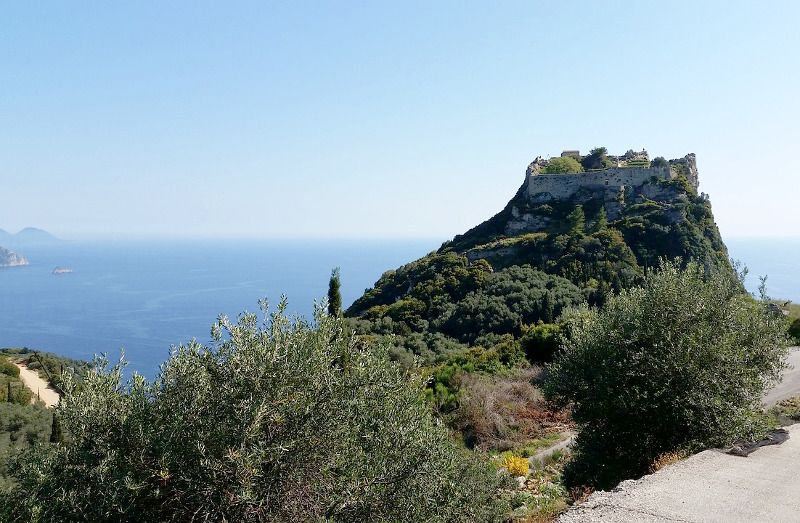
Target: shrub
{"type": "Point", "coordinates": [8, 368]}
{"type": "Point", "coordinates": [794, 330]}
{"type": "Point", "coordinates": [659, 161]}
{"type": "Point", "coordinates": [597, 159]}
{"type": "Point", "coordinates": [20, 394]}
{"type": "Point", "coordinates": [515, 465]}
{"type": "Point", "coordinates": [20, 427]}
{"type": "Point", "coordinates": [563, 164]}
{"type": "Point", "coordinates": [541, 341]}
{"type": "Point", "coordinates": [679, 363]}
{"type": "Point", "coordinates": [281, 421]}
{"type": "Point", "coordinates": [504, 411]}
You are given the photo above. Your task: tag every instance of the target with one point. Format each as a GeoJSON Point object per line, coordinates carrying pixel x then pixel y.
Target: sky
{"type": "Point", "coordinates": [379, 119]}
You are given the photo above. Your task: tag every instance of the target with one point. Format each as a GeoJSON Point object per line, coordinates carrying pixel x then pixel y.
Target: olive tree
{"type": "Point", "coordinates": [679, 363]}
{"type": "Point", "coordinates": [277, 420]}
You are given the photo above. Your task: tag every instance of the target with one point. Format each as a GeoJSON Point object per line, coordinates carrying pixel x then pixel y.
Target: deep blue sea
{"type": "Point", "coordinates": [145, 296]}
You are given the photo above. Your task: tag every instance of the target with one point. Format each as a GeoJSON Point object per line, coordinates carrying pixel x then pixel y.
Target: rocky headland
{"type": "Point", "coordinates": [11, 259]}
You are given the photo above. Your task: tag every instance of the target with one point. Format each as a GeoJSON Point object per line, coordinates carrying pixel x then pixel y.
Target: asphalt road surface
{"type": "Point", "coordinates": [789, 386]}
{"type": "Point", "coordinates": [707, 487]}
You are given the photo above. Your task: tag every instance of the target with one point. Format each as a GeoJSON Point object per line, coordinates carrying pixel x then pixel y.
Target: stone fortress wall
{"type": "Point", "coordinates": [614, 178]}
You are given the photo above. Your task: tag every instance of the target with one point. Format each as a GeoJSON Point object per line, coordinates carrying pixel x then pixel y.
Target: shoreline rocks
{"type": "Point", "coordinates": [11, 259]}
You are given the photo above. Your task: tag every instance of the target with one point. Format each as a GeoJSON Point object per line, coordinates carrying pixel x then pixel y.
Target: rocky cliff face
{"type": "Point", "coordinates": [11, 259]}
{"type": "Point", "coordinates": [654, 219]}
{"type": "Point", "coordinates": [531, 214]}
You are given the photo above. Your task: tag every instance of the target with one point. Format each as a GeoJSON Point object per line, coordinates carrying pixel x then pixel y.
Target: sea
{"type": "Point", "coordinates": [142, 297]}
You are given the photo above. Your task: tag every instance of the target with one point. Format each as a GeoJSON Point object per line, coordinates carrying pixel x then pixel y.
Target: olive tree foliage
{"type": "Point", "coordinates": [278, 420]}
{"type": "Point", "coordinates": [678, 363]}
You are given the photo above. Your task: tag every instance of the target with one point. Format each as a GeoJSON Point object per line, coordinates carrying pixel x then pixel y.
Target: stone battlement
{"type": "Point", "coordinates": [613, 179]}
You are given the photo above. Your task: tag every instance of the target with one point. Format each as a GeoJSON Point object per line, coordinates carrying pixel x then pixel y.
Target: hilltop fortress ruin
{"type": "Point", "coordinates": [632, 169]}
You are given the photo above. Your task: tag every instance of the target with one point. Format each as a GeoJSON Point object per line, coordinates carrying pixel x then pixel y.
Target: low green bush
{"type": "Point", "coordinates": [541, 341]}
{"type": "Point", "coordinates": [794, 330]}
{"type": "Point", "coordinates": [20, 427]}
{"type": "Point", "coordinates": [20, 394]}
{"type": "Point", "coordinates": [8, 368]}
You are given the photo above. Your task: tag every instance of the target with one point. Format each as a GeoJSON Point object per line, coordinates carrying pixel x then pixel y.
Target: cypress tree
{"type": "Point", "coordinates": [334, 294]}
{"type": "Point", "coordinates": [8, 396]}
{"type": "Point", "coordinates": [56, 435]}
{"type": "Point", "coordinates": [548, 310]}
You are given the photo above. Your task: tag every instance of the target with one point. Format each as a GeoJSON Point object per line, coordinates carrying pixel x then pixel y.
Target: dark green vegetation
{"type": "Point", "coordinates": [681, 362]}
{"type": "Point", "coordinates": [12, 390]}
{"type": "Point", "coordinates": [794, 331]}
{"type": "Point", "coordinates": [335, 293]}
{"type": "Point", "coordinates": [793, 312]}
{"type": "Point", "coordinates": [277, 421]}
{"type": "Point", "coordinates": [597, 159]}
{"type": "Point", "coordinates": [21, 423]}
{"type": "Point", "coordinates": [21, 427]}
{"type": "Point", "coordinates": [442, 303]}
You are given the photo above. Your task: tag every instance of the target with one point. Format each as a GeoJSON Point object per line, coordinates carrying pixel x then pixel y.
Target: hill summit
{"type": "Point", "coordinates": [578, 228]}
{"type": "Point", "coordinates": [27, 237]}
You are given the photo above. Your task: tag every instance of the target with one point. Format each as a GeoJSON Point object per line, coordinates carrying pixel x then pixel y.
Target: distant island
{"type": "Point", "coordinates": [11, 259]}
{"type": "Point", "coordinates": [62, 270]}
{"type": "Point", "coordinates": [27, 237]}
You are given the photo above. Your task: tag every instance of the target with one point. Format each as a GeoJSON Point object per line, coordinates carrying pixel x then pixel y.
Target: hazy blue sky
{"type": "Point", "coordinates": [380, 119]}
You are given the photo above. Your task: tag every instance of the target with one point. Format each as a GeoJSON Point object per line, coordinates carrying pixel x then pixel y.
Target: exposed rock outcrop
{"type": "Point", "coordinates": [11, 259]}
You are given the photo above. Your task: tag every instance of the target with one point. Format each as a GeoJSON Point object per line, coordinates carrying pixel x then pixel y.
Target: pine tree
{"type": "Point", "coordinates": [56, 436]}
{"type": "Point", "coordinates": [334, 294]}
{"type": "Point", "coordinates": [577, 221]}
{"type": "Point", "coordinates": [601, 221]}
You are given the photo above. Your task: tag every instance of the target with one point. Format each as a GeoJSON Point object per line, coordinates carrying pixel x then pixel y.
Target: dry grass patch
{"type": "Point", "coordinates": [668, 458]}
{"type": "Point", "coordinates": [505, 411]}
{"type": "Point", "coordinates": [788, 408]}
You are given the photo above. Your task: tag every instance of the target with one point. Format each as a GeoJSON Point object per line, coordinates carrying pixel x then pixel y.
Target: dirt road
{"type": "Point", "coordinates": [38, 386]}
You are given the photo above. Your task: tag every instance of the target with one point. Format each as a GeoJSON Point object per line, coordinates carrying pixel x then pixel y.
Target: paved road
{"type": "Point", "coordinates": [790, 386]}
{"type": "Point", "coordinates": [707, 487]}
{"type": "Point", "coordinates": [33, 381]}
